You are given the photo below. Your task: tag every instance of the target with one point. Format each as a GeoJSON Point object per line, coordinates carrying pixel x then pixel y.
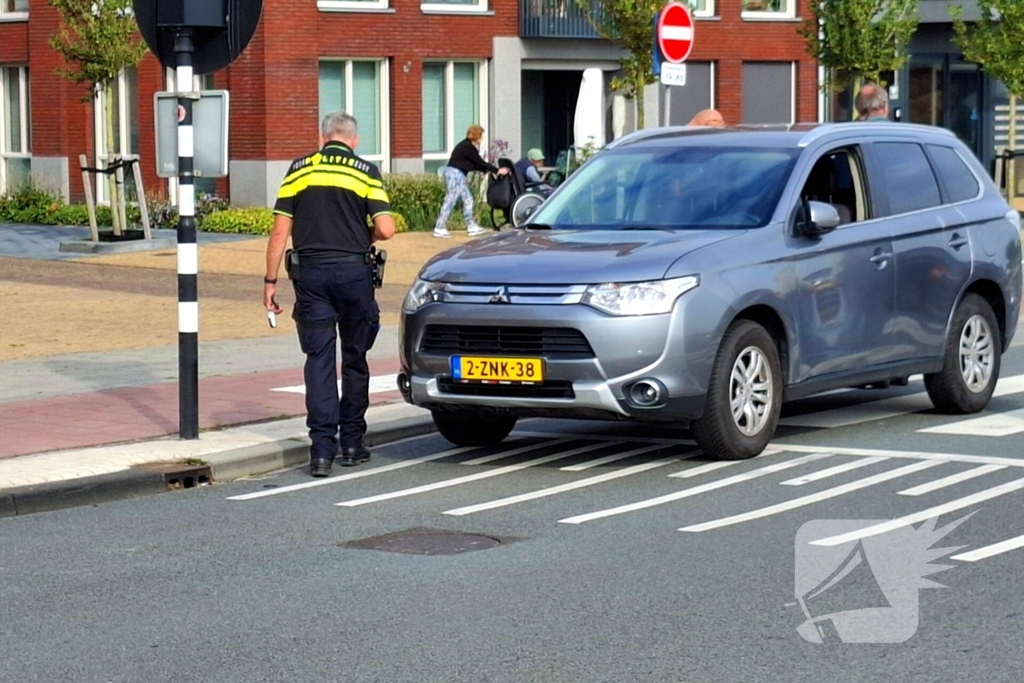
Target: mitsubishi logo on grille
{"type": "Point", "coordinates": [501, 296]}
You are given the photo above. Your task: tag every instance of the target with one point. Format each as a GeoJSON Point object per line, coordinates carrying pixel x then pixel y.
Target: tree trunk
{"type": "Point", "coordinates": [1011, 163]}
{"type": "Point", "coordinates": [114, 195]}
{"type": "Point", "coordinates": [858, 81]}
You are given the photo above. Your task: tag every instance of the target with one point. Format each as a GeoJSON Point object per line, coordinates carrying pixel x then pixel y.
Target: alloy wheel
{"type": "Point", "coordinates": [977, 354]}
{"type": "Point", "coordinates": [750, 391]}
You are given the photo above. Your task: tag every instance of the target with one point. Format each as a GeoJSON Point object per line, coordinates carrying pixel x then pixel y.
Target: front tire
{"type": "Point", "coordinates": [971, 361]}
{"type": "Point", "coordinates": [744, 395]}
{"type": "Point", "coordinates": [472, 428]}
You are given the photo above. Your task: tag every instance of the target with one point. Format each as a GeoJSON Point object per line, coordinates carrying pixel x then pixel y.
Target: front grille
{"type": "Point", "coordinates": [543, 390]}
{"type": "Point", "coordinates": [543, 342]}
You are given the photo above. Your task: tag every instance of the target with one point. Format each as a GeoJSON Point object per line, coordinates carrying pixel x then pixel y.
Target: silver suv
{"type": "Point", "coordinates": [701, 277]}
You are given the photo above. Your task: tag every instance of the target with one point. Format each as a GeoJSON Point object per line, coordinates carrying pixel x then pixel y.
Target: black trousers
{"type": "Point", "coordinates": [330, 299]}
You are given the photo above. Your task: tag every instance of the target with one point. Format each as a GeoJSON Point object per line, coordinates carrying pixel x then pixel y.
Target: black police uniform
{"type": "Point", "coordinates": [329, 195]}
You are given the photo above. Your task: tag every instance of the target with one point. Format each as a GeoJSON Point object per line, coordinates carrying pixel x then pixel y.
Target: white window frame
{"type": "Point", "coordinates": [383, 159]}
{"type": "Point", "coordinates": [12, 16]}
{"type": "Point", "coordinates": [353, 5]}
{"type": "Point", "coordinates": [26, 122]}
{"type": "Point", "coordinates": [478, 7]}
{"type": "Point", "coordinates": [99, 132]}
{"type": "Point", "coordinates": [708, 11]}
{"type": "Point", "coordinates": [452, 136]}
{"type": "Point", "coordinates": [793, 102]}
{"type": "Point", "coordinates": [789, 14]}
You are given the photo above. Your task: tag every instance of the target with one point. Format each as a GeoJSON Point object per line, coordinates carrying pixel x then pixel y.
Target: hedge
{"type": "Point", "coordinates": [418, 197]}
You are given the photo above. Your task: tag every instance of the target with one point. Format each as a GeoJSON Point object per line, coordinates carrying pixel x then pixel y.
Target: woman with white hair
{"type": "Point", "coordinates": [465, 158]}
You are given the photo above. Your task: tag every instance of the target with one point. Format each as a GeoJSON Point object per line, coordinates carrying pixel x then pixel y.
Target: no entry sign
{"type": "Point", "coordinates": [675, 32]}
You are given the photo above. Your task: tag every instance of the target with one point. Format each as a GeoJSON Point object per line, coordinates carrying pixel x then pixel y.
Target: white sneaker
{"type": "Point", "coordinates": [474, 231]}
{"type": "Point", "coordinates": [443, 232]}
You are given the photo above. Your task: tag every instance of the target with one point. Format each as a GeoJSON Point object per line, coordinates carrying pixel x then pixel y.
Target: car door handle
{"type": "Point", "coordinates": [957, 241]}
{"type": "Point", "coordinates": [881, 258]}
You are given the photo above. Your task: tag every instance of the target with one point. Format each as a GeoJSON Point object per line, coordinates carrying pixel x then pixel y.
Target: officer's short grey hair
{"type": "Point", "coordinates": [871, 98]}
{"type": "Point", "coordinates": [338, 124]}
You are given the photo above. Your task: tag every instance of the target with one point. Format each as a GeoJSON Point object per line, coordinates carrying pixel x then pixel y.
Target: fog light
{"type": "Point", "coordinates": [646, 393]}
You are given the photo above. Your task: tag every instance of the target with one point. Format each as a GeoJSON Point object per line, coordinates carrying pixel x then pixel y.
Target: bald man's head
{"type": "Point", "coordinates": [708, 117]}
{"type": "Point", "coordinates": [872, 101]}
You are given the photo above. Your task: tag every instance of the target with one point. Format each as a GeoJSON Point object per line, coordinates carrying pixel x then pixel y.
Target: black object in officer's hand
{"type": "Point", "coordinates": [378, 259]}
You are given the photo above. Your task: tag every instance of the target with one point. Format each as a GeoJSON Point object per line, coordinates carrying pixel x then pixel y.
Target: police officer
{"type": "Point", "coordinates": [326, 204]}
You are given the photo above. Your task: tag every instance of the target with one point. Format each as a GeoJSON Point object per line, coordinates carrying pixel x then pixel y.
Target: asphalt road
{"type": "Point", "coordinates": [638, 575]}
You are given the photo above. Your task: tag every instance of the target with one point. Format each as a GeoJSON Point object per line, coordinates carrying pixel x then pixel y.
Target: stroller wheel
{"type": "Point", "coordinates": [523, 206]}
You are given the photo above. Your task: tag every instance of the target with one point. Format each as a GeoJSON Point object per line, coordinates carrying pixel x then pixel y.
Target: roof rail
{"type": "Point", "coordinates": [866, 126]}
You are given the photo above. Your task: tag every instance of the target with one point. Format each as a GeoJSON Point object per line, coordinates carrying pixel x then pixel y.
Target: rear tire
{"type": "Point", "coordinates": [523, 206]}
{"type": "Point", "coordinates": [472, 428]}
{"type": "Point", "coordinates": [744, 395]}
{"type": "Point", "coordinates": [971, 361]}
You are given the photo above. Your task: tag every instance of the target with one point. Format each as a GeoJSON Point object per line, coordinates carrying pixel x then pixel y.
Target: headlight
{"type": "Point", "coordinates": [639, 298]}
{"type": "Point", "coordinates": [420, 294]}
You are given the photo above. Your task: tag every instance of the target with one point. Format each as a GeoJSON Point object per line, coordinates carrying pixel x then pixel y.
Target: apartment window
{"type": "Point", "coordinates": [684, 101]}
{"type": "Point", "coordinates": [769, 92]}
{"type": "Point", "coordinates": [359, 87]}
{"type": "Point", "coordinates": [351, 5]}
{"type": "Point", "coordinates": [453, 6]}
{"type": "Point", "coordinates": [454, 98]}
{"type": "Point", "coordinates": [13, 7]}
{"type": "Point", "coordinates": [126, 128]}
{"type": "Point", "coordinates": [16, 128]}
{"type": "Point", "coordinates": [769, 9]}
{"type": "Point", "coordinates": [702, 8]}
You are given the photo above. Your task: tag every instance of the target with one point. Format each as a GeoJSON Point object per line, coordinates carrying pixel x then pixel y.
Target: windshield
{"type": "Point", "coordinates": [685, 188]}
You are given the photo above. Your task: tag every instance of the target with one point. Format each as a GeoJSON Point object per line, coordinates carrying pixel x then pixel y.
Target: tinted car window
{"type": "Point", "coordinates": [960, 183]}
{"type": "Point", "coordinates": [908, 177]}
{"type": "Point", "coordinates": [687, 187]}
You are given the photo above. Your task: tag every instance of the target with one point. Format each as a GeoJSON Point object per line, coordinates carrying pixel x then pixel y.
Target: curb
{"type": "Point", "coordinates": [224, 467]}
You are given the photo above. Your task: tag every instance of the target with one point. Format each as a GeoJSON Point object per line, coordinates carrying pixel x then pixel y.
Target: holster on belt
{"type": "Point", "coordinates": [291, 264]}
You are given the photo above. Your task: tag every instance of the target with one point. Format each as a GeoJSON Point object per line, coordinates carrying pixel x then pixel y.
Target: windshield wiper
{"type": "Point", "coordinates": [537, 226]}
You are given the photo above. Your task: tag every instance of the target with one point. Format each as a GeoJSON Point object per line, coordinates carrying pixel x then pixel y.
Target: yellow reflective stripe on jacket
{"type": "Point", "coordinates": [322, 177]}
{"type": "Point", "coordinates": [331, 168]}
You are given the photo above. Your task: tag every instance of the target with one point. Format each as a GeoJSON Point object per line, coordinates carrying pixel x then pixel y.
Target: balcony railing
{"type": "Point", "coordinates": [554, 19]}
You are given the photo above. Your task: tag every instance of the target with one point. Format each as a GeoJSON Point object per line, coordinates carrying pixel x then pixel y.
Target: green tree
{"type": "Point", "coordinates": [859, 40]}
{"type": "Point", "coordinates": [97, 39]}
{"type": "Point", "coordinates": [630, 25]}
{"type": "Point", "coordinates": [995, 43]}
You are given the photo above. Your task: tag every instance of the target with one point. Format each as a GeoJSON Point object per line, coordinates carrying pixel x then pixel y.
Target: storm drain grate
{"type": "Point", "coordinates": [423, 541]}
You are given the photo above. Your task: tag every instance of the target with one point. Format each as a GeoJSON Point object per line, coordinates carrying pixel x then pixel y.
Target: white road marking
{"type": "Point", "coordinates": [996, 424]}
{"type": "Point", "coordinates": [378, 384]}
{"type": "Point", "coordinates": [912, 455]}
{"type": "Point", "coordinates": [548, 435]}
{"type": "Point", "coordinates": [696, 490]}
{"type": "Point", "coordinates": [571, 486]}
{"type": "Point", "coordinates": [951, 480]}
{"type": "Point", "coordinates": [354, 475]}
{"type": "Point", "coordinates": [886, 408]}
{"type": "Point", "coordinates": [604, 460]}
{"type": "Point", "coordinates": [832, 471]}
{"type": "Point", "coordinates": [990, 550]}
{"type": "Point", "coordinates": [945, 508]}
{"type": "Point", "coordinates": [712, 466]}
{"type": "Point", "coordinates": [813, 498]}
{"type": "Point", "coordinates": [447, 483]}
{"type": "Point", "coordinates": [516, 451]}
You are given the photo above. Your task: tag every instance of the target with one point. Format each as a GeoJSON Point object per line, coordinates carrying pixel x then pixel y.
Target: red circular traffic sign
{"type": "Point", "coordinates": [675, 32]}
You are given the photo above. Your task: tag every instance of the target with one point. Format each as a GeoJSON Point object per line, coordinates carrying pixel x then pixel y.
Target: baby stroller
{"type": "Point", "coordinates": [513, 195]}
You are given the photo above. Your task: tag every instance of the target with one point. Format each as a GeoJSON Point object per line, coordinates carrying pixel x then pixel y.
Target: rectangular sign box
{"type": "Point", "coordinates": [210, 126]}
{"type": "Point", "coordinates": [673, 74]}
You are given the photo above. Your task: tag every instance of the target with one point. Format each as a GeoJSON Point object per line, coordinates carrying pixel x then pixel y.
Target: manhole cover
{"type": "Point", "coordinates": [427, 542]}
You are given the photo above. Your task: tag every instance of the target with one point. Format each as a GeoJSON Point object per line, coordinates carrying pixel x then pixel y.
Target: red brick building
{"type": "Point", "coordinates": [414, 72]}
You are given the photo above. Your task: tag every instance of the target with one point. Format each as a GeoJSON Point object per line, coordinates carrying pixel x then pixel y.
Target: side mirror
{"type": "Point", "coordinates": [816, 218]}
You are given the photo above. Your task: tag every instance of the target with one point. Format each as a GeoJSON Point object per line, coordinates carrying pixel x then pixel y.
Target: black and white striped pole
{"type": "Point", "coordinates": [188, 251]}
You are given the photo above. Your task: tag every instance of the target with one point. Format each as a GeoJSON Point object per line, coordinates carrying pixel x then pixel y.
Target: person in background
{"type": "Point", "coordinates": [872, 103]}
{"type": "Point", "coordinates": [708, 117]}
{"type": "Point", "coordinates": [465, 158]}
{"type": "Point", "coordinates": [528, 166]}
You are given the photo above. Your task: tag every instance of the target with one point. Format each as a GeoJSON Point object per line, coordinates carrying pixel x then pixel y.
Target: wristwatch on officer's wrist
{"type": "Point", "coordinates": [268, 281]}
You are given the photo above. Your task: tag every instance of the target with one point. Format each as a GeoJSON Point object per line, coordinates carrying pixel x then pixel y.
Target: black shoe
{"type": "Point", "coordinates": [320, 467]}
{"type": "Point", "coordinates": [353, 456]}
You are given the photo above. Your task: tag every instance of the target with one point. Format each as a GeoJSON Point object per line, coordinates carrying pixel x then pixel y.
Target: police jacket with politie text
{"type": "Point", "coordinates": [332, 196]}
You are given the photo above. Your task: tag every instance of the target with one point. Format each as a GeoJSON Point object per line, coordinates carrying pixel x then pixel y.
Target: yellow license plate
{"type": "Point", "coordinates": [498, 369]}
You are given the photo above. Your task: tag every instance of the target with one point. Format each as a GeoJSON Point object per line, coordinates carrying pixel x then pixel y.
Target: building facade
{"type": "Point", "coordinates": [415, 73]}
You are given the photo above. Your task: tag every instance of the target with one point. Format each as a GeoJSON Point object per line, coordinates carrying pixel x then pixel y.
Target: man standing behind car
{"type": "Point", "coordinates": [325, 204]}
{"type": "Point", "coordinates": [872, 103]}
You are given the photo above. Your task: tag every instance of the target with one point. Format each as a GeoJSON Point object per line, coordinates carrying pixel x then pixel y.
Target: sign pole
{"type": "Point", "coordinates": [188, 251]}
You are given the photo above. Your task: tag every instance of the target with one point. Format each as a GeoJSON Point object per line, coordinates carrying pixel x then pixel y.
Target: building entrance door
{"type": "Point", "coordinates": [943, 91]}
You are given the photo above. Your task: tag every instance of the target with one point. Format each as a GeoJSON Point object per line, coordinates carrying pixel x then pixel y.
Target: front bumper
{"type": "Point", "coordinates": [626, 350]}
